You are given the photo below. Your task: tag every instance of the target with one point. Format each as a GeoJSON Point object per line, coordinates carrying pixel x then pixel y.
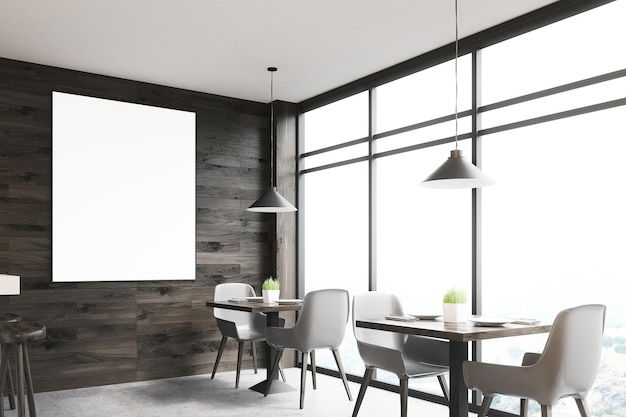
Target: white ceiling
{"type": "Point", "coordinates": [225, 46]}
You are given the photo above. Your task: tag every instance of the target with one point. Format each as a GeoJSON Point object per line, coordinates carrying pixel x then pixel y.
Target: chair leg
{"type": "Point", "coordinates": [30, 395]}
{"type": "Point", "coordinates": [484, 406]}
{"type": "Point", "coordinates": [313, 369]}
{"type": "Point", "coordinates": [282, 374]}
{"type": "Point", "coordinates": [219, 355]}
{"type": "Point", "coordinates": [303, 378]}
{"type": "Point", "coordinates": [546, 410]}
{"type": "Point", "coordinates": [275, 367]}
{"type": "Point", "coordinates": [19, 359]}
{"type": "Point", "coordinates": [523, 407]}
{"type": "Point", "coordinates": [239, 358]}
{"type": "Point", "coordinates": [4, 350]}
{"type": "Point", "coordinates": [342, 373]}
{"type": "Point", "coordinates": [367, 377]}
{"type": "Point", "coordinates": [11, 389]}
{"type": "Point", "coordinates": [444, 386]}
{"type": "Point", "coordinates": [404, 396]}
{"type": "Point", "coordinates": [4, 363]}
{"type": "Point", "coordinates": [583, 407]}
{"type": "Point", "coordinates": [254, 357]}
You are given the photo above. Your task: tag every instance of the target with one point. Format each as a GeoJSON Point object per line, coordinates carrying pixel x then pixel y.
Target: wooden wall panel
{"type": "Point", "coordinates": [114, 332]}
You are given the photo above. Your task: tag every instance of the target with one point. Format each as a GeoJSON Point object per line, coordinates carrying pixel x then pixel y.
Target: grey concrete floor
{"type": "Point", "coordinates": [198, 396]}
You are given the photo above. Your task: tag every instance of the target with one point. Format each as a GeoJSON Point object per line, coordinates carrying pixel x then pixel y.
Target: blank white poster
{"type": "Point", "coordinates": [123, 191]}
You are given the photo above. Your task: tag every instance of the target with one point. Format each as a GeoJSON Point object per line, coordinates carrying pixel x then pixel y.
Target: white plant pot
{"type": "Point", "coordinates": [455, 313]}
{"type": "Point", "coordinates": [270, 296]}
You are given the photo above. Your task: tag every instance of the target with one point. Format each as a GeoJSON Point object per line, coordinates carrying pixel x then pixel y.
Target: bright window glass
{"type": "Point", "coordinates": [335, 238]}
{"type": "Point", "coordinates": [554, 234]}
{"type": "Point", "coordinates": [423, 235]}
{"type": "Point", "coordinates": [423, 135]}
{"type": "Point", "coordinates": [335, 123]}
{"type": "Point", "coordinates": [573, 99]}
{"type": "Point", "coordinates": [338, 155]}
{"type": "Point", "coordinates": [583, 46]}
{"type": "Point", "coordinates": [423, 96]}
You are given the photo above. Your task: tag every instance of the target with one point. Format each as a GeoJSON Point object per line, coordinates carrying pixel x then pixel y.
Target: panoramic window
{"type": "Point", "coordinates": [549, 109]}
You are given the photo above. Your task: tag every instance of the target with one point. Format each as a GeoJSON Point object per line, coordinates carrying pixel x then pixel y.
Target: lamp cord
{"type": "Point", "coordinates": [272, 127]}
{"type": "Point", "coordinates": [456, 75]}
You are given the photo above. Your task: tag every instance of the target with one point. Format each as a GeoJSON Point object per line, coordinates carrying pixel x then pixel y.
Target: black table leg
{"type": "Point", "coordinates": [277, 385]}
{"type": "Point", "coordinates": [272, 321]}
{"type": "Point", "coordinates": [458, 390]}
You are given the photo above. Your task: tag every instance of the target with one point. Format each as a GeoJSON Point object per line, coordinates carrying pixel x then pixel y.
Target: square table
{"type": "Point", "coordinates": [459, 335]}
{"type": "Point", "coordinates": [271, 311]}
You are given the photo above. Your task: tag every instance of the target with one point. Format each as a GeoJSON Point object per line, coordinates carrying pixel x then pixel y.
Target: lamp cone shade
{"type": "Point", "coordinates": [272, 202]}
{"type": "Point", "coordinates": [457, 172]}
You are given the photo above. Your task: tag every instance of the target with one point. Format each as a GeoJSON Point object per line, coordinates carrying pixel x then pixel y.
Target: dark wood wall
{"type": "Point", "coordinates": [113, 332]}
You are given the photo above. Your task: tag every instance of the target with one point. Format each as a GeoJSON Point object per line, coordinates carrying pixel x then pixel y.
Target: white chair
{"type": "Point", "coordinates": [239, 325]}
{"type": "Point", "coordinates": [404, 355]}
{"type": "Point", "coordinates": [567, 367]}
{"type": "Point", "coordinates": [320, 325]}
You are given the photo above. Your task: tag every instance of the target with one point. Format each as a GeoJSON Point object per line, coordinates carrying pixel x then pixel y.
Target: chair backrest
{"type": "Point", "coordinates": [376, 305]}
{"type": "Point", "coordinates": [322, 320]}
{"type": "Point", "coordinates": [223, 292]}
{"type": "Point", "coordinates": [571, 357]}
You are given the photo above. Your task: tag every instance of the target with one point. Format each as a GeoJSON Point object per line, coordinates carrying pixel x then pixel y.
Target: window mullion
{"type": "Point", "coordinates": [372, 191]}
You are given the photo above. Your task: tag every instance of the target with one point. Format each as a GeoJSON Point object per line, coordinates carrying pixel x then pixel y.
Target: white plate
{"type": "Point", "coordinates": [288, 301]}
{"type": "Point", "coordinates": [426, 316]}
{"type": "Point", "coordinates": [490, 321]}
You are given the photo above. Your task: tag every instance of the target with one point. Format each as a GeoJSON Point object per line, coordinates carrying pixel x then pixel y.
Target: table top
{"type": "Point", "coordinates": [254, 307]}
{"type": "Point", "coordinates": [456, 332]}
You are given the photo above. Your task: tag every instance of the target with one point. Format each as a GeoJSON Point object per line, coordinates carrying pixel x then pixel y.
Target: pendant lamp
{"type": "Point", "coordinates": [272, 201]}
{"type": "Point", "coordinates": [457, 172]}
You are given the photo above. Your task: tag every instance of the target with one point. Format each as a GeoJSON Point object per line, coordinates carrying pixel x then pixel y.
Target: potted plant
{"type": "Point", "coordinates": [455, 307]}
{"type": "Point", "coordinates": [271, 290]}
